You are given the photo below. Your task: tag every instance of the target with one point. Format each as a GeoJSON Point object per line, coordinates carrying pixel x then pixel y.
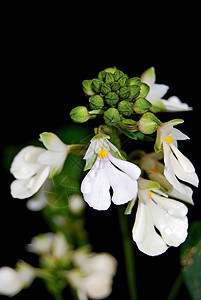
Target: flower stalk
{"type": "Point", "coordinates": [128, 253]}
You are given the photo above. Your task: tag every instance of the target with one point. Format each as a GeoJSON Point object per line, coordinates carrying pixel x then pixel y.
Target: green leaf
{"type": "Point", "coordinates": [143, 137]}
{"type": "Point", "coordinates": [191, 260]}
{"type": "Point", "coordinates": [131, 135]}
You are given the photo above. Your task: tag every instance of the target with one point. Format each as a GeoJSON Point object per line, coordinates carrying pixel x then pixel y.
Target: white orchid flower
{"type": "Point", "coordinates": [155, 171]}
{"type": "Point", "coordinates": [94, 274]}
{"type": "Point", "coordinates": [13, 281]}
{"type": "Point", "coordinates": [33, 165]}
{"type": "Point", "coordinates": [176, 164]}
{"type": "Point", "coordinates": [108, 171]}
{"type": "Point", "coordinates": [157, 91]}
{"type": "Point", "coordinates": [161, 212]}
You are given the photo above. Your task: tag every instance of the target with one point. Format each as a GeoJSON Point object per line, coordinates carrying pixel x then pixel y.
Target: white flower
{"type": "Point", "coordinates": [53, 244]}
{"type": "Point", "coordinates": [155, 171]}
{"type": "Point", "coordinates": [163, 213]}
{"type": "Point", "coordinates": [108, 171]}
{"type": "Point", "coordinates": [76, 204]}
{"type": "Point", "coordinates": [173, 104]}
{"type": "Point", "coordinates": [176, 164]}
{"type": "Point", "coordinates": [32, 165]}
{"type": "Point", "coordinates": [13, 281]}
{"type": "Point", "coordinates": [94, 275]}
{"type": "Point", "coordinates": [157, 91]}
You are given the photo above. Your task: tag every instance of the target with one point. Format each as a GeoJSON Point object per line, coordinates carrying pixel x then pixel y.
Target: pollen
{"type": "Point", "coordinates": [102, 153]}
{"type": "Point", "coordinates": [154, 169]}
{"type": "Point", "coordinates": [149, 194]}
{"type": "Point", "coordinates": [168, 139]}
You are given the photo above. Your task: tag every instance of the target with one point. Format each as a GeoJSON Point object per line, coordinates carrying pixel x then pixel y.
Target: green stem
{"type": "Point", "coordinates": [128, 253]}
{"type": "Point", "coordinates": [58, 296]}
{"type": "Point", "coordinates": [176, 287]}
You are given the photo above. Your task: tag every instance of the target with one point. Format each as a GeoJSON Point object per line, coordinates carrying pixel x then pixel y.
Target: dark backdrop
{"type": "Point", "coordinates": [43, 68]}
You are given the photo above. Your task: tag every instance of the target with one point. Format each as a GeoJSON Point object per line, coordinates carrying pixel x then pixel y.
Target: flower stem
{"type": "Point", "coordinates": [128, 254]}
{"type": "Point", "coordinates": [176, 287]}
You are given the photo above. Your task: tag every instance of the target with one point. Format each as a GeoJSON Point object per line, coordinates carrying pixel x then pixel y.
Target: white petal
{"type": "Point", "coordinates": [129, 168]}
{"type": "Point", "coordinates": [90, 151]}
{"type": "Point", "coordinates": [174, 104]}
{"type": "Point", "coordinates": [99, 196]}
{"type": "Point", "coordinates": [25, 188]}
{"type": "Point", "coordinates": [144, 234]}
{"type": "Point", "coordinates": [181, 174]}
{"type": "Point", "coordinates": [54, 159]}
{"type": "Point", "coordinates": [173, 207]}
{"type": "Point", "coordinates": [124, 188]}
{"type": "Point", "coordinates": [187, 196]}
{"type": "Point", "coordinates": [178, 135]}
{"type": "Point", "coordinates": [172, 229]}
{"type": "Point", "coordinates": [183, 160]}
{"type": "Point", "coordinates": [159, 90]}
{"type": "Point", "coordinates": [88, 180]}
{"type": "Point", "coordinates": [10, 283]}
{"type": "Point", "coordinates": [149, 76]}
{"type": "Point", "coordinates": [25, 163]}
{"type": "Point", "coordinates": [52, 142]}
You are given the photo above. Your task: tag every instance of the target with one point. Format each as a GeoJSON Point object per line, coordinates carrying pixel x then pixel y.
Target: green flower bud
{"type": "Point", "coordinates": [134, 91]}
{"type": "Point", "coordinates": [125, 108]}
{"type": "Point", "coordinates": [144, 90]}
{"type": "Point", "coordinates": [115, 86]}
{"type": "Point", "coordinates": [80, 114]}
{"type": "Point", "coordinates": [124, 92]}
{"type": "Point", "coordinates": [96, 102]}
{"type": "Point", "coordinates": [134, 81]}
{"type": "Point", "coordinates": [118, 74]}
{"type": "Point", "coordinates": [112, 98]}
{"type": "Point", "coordinates": [87, 87]}
{"type": "Point", "coordinates": [111, 70]}
{"type": "Point", "coordinates": [105, 88]}
{"type": "Point", "coordinates": [101, 75]}
{"type": "Point", "coordinates": [109, 78]}
{"type": "Point", "coordinates": [122, 81]}
{"type": "Point", "coordinates": [128, 121]}
{"type": "Point", "coordinates": [141, 106]}
{"type": "Point", "coordinates": [148, 123]}
{"type": "Point", "coordinates": [96, 85]}
{"type": "Point", "coordinates": [111, 116]}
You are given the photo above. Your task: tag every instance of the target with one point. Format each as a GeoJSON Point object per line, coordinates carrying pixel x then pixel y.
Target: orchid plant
{"type": "Point", "coordinates": [153, 186]}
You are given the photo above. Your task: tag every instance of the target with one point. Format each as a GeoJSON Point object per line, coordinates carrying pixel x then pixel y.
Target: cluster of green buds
{"type": "Point", "coordinates": [120, 100]}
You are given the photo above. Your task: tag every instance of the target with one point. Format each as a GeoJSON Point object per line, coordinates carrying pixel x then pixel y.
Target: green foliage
{"type": "Point", "coordinates": [191, 260]}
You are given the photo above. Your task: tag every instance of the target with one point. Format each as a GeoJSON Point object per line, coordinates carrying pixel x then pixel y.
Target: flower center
{"type": "Point", "coordinates": [168, 139]}
{"type": "Point", "coordinates": [154, 169]}
{"type": "Point", "coordinates": [102, 153]}
{"type": "Point", "coordinates": [149, 194]}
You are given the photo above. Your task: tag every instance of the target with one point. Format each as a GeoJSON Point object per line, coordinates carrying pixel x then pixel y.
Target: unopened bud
{"type": "Point", "coordinates": [112, 98]}
{"type": "Point", "coordinates": [122, 81]}
{"type": "Point", "coordinates": [124, 92]}
{"type": "Point", "coordinates": [134, 91]}
{"type": "Point", "coordinates": [125, 108]}
{"type": "Point", "coordinates": [111, 116]}
{"type": "Point", "coordinates": [96, 102]}
{"type": "Point", "coordinates": [141, 106]}
{"type": "Point", "coordinates": [109, 78]}
{"type": "Point", "coordinates": [148, 123]}
{"type": "Point", "coordinates": [118, 74]}
{"type": "Point", "coordinates": [144, 90]}
{"type": "Point", "coordinates": [80, 114]}
{"type": "Point", "coordinates": [134, 81]}
{"type": "Point", "coordinates": [96, 85]}
{"type": "Point", "coordinates": [115, 86]}
{"type": "Point", "coordinates": [101, 75]}
{"type": "Point", "coordinates": [111, 70]}
{"type": "Point", "coordinates": [105, 88]}
{"type": "Point", "coordinates": [87, 87]}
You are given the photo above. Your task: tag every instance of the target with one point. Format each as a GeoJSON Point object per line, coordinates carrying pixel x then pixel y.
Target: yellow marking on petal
{"type": "Point", "coordinates": [149, 194]}
{"type": "Point", "coordinates": [102, 153]}
{"type": "Point", "coordinates": [154, 169]}
{"type": "Point", "coordinates": [168, 139]}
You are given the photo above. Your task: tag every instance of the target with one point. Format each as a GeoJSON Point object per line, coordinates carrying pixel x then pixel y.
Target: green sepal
{"type": "Point", "coordinates": [130, 206]}
{"type": "Point", "coordinates": [90, 162]}
{"type": "Point", "coordinates": [144, 90]}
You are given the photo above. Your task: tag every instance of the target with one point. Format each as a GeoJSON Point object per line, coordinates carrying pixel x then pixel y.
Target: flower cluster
{"type": "Point", "coordinates": [157, 181]}
{"type": "Point", "coordinates": [90, 274]}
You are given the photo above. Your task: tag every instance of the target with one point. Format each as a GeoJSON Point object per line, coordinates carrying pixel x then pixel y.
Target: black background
{"type": "Point", "coordinates": [46, 56]}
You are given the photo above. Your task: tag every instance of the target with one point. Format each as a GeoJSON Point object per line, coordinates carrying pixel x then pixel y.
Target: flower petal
{"type": "Point", "coordinates": [174, 104]}
{"type": "Point", "coordinates": [159, 90]}
{"type": "Point", "coordinates": [129, 168]}
{"type": "Point", "coordinates": [25, 163]}
{"type": "Point", "coordinates": [183, 160]}
{"type": "Point", "coordinates": [172, 229]}
{"type": "Point", "coordinates": [99, 195]}
{"type": "Point", "coordinates": [144, 234]}
{"type": "Point", "coordinates": [28, 187]}
{"type": "Point", "coordinates": [124, 188]}
{"type": "Point", "coordinates": [52, 142]}
{"type": "Point", "coordinates": [88, 180]}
